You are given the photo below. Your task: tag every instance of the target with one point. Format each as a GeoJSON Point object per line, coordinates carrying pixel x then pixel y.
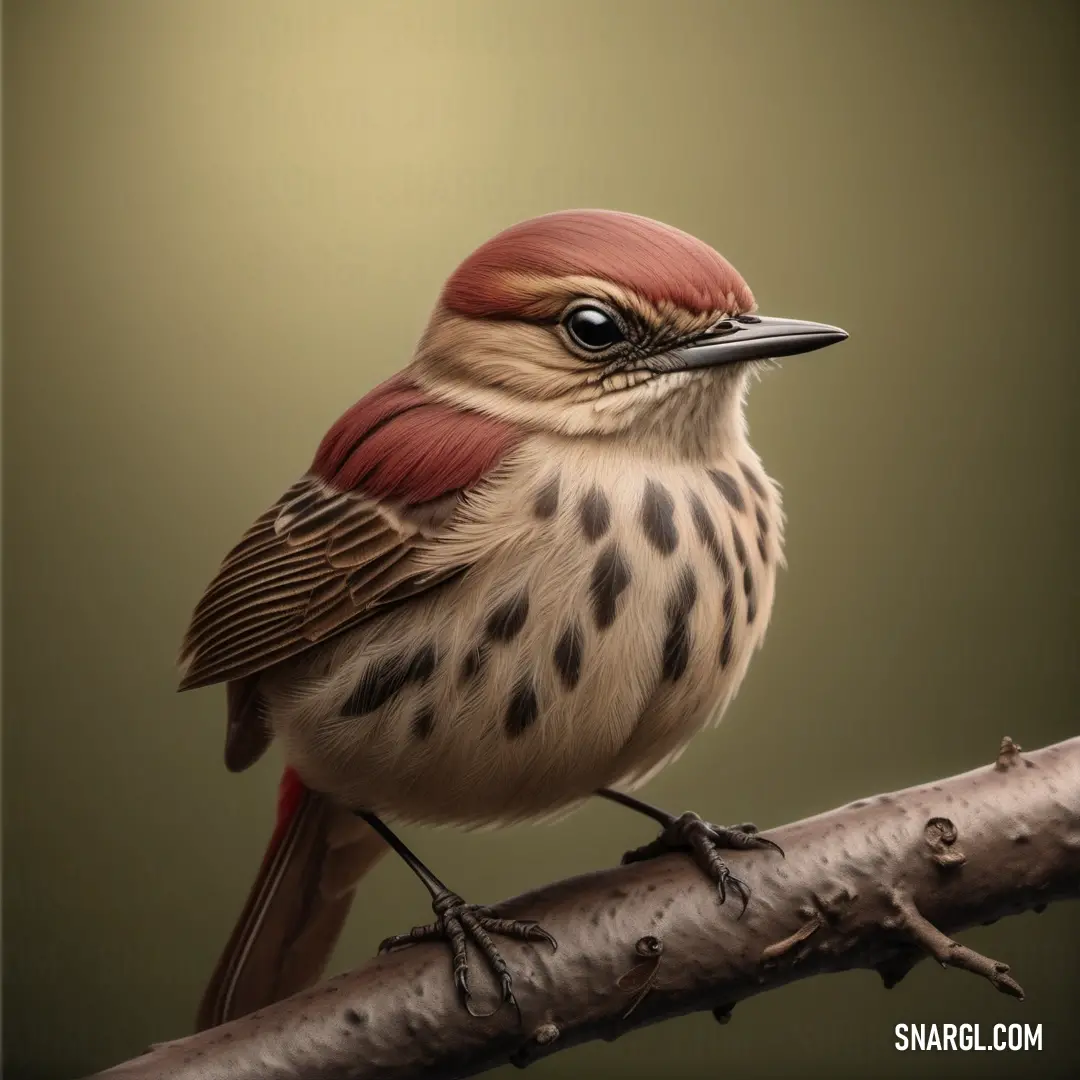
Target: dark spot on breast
{"type": "Point", "coordinates": [704, 527]}
{"type": "Point", "coordinates": [658, 518]}
{"type": "Point", "coordinates": [376, 686]}
{"type": "Point", "coordinates": [506, 621]}
{"type": "Point", "coordinates": [727, 645]}
{"type": "Point", "coordinates": [763, 532]}
{"type": "Point", "coordinates": [472, 662]}
{"type": "Point", "coordinates": [383, 679]}
{"type": "Point", "coordinates": [547, 499]}
{"type": "Point", "coordinates": [753, 479]}
{"type": "Point", "coordinates": [706, 531]}
{"type": "Point", "coordinates": [676, 652]}
{"type": "Point", "coordinates": [762, 521]}
{"type": "Point", "coordinates": [567, 655]}
{"type": "Point", "coordinates": [595, 511]}
{"type": "Point", "coordinates": [740, 546]}
{"type": "Point", "coordinates": [423, 722]}
{"type": "Point", "coordinates": [354, 1018]}
{"type": "Point", "coordinates": [610, 577]}
{"type": "Point", "coordinates": [725, 484]}
{"type": "Point", "coordinates": [523, 708]}
{"type": "Point", "coordinates": [423, 663]}
{"type": "Point", "coordinates": [748, 589]}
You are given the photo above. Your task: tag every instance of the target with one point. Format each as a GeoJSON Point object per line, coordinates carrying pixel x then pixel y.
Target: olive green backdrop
{"type": "Point", "coordinates": [226, 221]}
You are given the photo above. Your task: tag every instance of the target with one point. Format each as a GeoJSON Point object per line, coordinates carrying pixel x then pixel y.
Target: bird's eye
{"type": "Point", "coordinates": [592, 328]}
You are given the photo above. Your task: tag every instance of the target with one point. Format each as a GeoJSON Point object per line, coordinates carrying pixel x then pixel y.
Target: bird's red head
{"type": "Point", "coordinates": [514, 272]}
{"type": "Point", "coordinates": [601, 322]}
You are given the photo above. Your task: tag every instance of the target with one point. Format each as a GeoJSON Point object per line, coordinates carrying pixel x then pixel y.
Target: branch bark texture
{"type": "Point", "coordinates": [879, 884]}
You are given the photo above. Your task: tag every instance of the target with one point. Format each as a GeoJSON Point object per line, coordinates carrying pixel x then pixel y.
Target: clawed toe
{"type": "Point", "coordinates": [704, 842]}
{"type": "Point", "coordinates": [455, 923]}
{"type": "Point", "coordinates": [743, 837]}
{"type": "Point", "coordinates": [725, 880]}
{"type": "Point", "coordinates": [413, 937]}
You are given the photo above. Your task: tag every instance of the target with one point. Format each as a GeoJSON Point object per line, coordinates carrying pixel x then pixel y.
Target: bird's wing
{"type": "Point", "coordinates": [342, 541]}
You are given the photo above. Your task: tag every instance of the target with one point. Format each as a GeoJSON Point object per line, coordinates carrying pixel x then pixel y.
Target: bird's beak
{"type": "Point", "coordinates": [755, 337]}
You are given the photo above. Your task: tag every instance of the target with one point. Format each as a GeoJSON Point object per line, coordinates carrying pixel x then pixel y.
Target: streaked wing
{"type": "Point", "coordinates": [317, 562]}
{"type": "Point", "coordinates": [344, 541]}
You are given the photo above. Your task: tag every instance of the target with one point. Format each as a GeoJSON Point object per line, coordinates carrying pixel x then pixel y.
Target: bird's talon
{"type": "Point", "coordinates": [455, 922]}
{"type": "Point", "coordinates": [743, 891]}
{"type": "Point", "coordinates": [703, 841]}
{"type": "Point", "coordinates": [535, 932]}
{"type": "Point", "coordinates": [479, 1015]}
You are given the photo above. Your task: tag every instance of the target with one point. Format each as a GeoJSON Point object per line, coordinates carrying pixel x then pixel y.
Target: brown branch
{"type": "Point", "coordinates": [877, 884]}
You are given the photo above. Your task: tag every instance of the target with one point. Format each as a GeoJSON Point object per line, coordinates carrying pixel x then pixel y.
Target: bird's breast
{"type": "Point", "coordinates": [610, 611]}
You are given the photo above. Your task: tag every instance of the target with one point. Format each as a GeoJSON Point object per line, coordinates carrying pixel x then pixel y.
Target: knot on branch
{"type": "Point", "coordinates": [826, 911]}
{"type": "Point", "coordinates": [639, 979]}
{"type": "Point", "coordinates": [940, 834]}
{"type": "Point", "coordinates": [542, 1036]}
{"type": "Point", "coordinates": [1008, 755]}
{"type": "Point", "coordinates": [722, 1013]}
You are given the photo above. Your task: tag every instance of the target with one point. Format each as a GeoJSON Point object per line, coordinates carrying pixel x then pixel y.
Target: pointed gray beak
{"type": "Point", "coordinates": [756, 337]}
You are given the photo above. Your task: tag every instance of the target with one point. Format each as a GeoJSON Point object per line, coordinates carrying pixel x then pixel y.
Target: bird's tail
{"type": "Point", "coordinates": [297, 905]}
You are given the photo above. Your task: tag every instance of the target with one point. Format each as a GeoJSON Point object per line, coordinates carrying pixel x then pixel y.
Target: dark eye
{"type": "Point", "coordinates": [592, 328]}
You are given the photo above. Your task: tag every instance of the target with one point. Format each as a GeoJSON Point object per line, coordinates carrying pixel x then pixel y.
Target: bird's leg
{"type": "Point", "coordinates": [704, 842]}
{"type": "Point", "coordinates": [456, 921]}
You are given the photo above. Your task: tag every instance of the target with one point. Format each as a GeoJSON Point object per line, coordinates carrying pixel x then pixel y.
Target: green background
{"type": "Point", "coordinates": [226, 221]}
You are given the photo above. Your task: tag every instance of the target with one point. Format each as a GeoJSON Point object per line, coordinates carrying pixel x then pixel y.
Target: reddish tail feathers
{"type": "Point", "coordinates": [296, 907]}
{"type": "Point", "coordinates": [291, 793]}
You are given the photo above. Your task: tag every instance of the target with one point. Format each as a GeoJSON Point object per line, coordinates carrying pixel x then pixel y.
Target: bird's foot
{"type": "Point", "coordinates": [704, 842]}
{"type": "Point", "coordinates": [455, 922]}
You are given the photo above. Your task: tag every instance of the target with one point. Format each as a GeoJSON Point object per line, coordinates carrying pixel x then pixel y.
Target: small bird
{"type": "Point", "coordinates": [525, 570]}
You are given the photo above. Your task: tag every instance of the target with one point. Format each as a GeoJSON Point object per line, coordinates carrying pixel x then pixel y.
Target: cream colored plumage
{"type": "Point", "coordinates": [623, 719]}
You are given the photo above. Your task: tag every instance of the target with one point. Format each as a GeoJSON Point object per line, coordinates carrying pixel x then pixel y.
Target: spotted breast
{"type": "Point", "coordinates": [615, 618]}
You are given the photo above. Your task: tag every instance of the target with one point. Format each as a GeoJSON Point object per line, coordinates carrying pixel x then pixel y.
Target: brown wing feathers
{"type": "Point", "coordinates": [254, 611]}
{"type": "Point", "coordinates": [341, 540]}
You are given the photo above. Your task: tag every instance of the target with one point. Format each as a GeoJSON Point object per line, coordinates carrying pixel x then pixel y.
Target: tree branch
{"type": "Point", "coordinates": [878, 884]}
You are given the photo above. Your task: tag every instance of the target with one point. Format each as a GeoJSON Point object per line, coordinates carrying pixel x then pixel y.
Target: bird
{"type": "Point", "coordinates": [524, 571]}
